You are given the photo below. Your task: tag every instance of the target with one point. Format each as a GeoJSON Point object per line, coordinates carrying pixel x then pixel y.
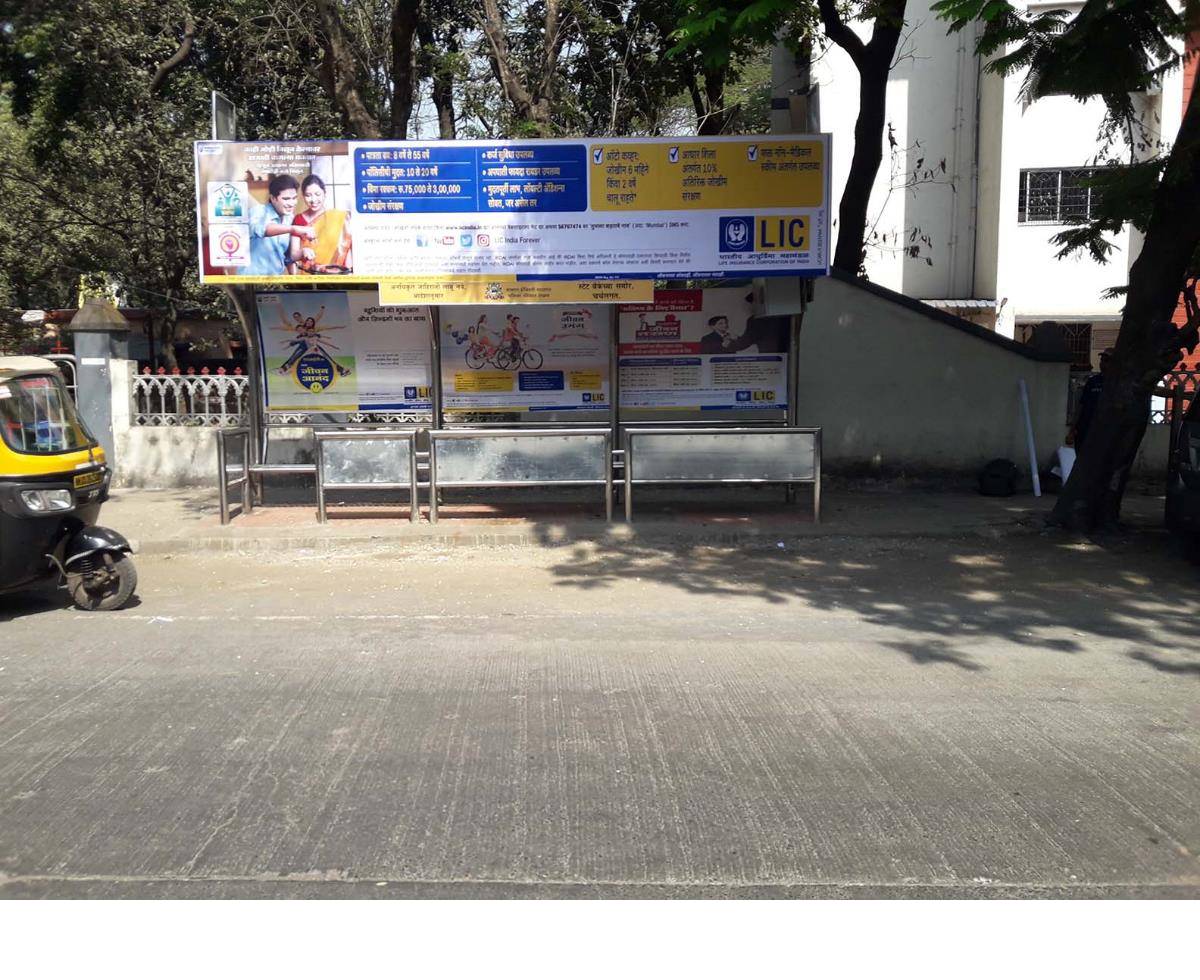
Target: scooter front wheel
{"type": "Point", "coordinates": [109, 585]}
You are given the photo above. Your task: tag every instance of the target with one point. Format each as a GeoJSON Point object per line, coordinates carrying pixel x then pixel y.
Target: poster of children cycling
{"type": "Point", "coordinates": [340, 351]}
{"type": "Point", "coordinates": [525, 358]}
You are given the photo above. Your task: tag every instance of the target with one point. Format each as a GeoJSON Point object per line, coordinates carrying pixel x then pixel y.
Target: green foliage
{"type": "Point", "coordinates": [1109, 50]}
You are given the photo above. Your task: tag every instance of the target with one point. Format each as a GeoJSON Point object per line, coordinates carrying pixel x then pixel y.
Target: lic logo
{"type": "Point", "coordinates": [736, 234]}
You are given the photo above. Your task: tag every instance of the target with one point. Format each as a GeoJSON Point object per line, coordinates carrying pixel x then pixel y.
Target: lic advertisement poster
{"type": "Point", "coordinates": [525, 358]}
{"type": "Point", "coordinates": [486, 216]}
{"type": "Point", "coordinates": [698, 349]}
{"type": "Point", "coordinates": [275, 209]}
{"type": "Point", "coordinates": [342, 352]}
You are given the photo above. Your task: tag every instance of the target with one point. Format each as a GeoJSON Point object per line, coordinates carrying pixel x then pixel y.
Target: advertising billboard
{"type": "Point", "coordinates": [469, 221]}
{"type": "Point", "coordinates": [701, 350]}
{"type": "Point", "coordinates": [340, 351]}
{"type": "Point", "coordinates": [525, 358]}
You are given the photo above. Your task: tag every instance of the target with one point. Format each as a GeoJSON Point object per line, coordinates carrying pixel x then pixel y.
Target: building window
{"type": "Point", "coordinates": [1054, 197]}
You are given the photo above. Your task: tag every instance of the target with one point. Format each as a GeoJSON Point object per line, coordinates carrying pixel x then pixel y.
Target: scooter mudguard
{"type": "Point", "coordinates": [92, 540]}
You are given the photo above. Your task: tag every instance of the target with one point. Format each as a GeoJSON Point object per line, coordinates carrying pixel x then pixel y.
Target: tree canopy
{"type": "Point", "coordinates": [101, 100]}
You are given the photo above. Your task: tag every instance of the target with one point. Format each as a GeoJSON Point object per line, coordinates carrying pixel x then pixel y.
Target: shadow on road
{"type": "Point", "coordinates": [949, 593]}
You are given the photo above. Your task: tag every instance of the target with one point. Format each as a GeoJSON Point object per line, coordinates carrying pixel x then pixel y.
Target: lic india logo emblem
{"type": "Point", "coordinates": [735, 234]}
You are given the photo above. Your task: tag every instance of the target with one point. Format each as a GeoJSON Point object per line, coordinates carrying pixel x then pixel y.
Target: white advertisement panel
{"type": "Point", "coordinates": [343, 352]}
{"type": "Point", "coordinates": [525, 358]}
{"type": "Point", "coordinates": [488, 215]}
{"type": "Point", "coordinates": [694, 349]}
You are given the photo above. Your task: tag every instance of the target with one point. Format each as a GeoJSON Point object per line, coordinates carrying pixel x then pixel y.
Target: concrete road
{"type": "Point", "coordinates": [907, 718]}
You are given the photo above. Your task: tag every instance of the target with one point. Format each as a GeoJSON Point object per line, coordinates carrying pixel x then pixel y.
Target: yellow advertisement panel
{"type": "Point", "coordinates": [694, 174]}
{"type": "Point", "coordinates": [509, 289]}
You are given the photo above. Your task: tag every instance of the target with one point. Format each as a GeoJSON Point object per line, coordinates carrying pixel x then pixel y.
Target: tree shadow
{"type": "Point", "coordinates": [1044, 592]}
{"type": "Point", "coordinates": [1167, 666]}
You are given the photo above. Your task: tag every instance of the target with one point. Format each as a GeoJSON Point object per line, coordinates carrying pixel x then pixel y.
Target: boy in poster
{"type": "Point", "coordinates": [271, 229]}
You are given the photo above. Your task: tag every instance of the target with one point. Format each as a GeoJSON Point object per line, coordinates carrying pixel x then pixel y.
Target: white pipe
{"type": "Point", "coordinates": [1033, 469]}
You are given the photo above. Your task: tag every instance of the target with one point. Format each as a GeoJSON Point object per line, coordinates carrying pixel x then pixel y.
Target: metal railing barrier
{"type": "Point", "coordinates": [371, 460]}
{"type": "Point", "coordinates": [725, 455]}
{"type": "Point", "coordinates": [210, 400]}
{"type": "Point", "coordinates": [224, 484]}
{"type": "Point", "coordinates": [520, 457]}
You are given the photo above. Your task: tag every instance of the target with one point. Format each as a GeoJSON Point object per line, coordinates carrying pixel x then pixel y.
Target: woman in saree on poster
{"type": "Point", "coordinates": [331, 250]}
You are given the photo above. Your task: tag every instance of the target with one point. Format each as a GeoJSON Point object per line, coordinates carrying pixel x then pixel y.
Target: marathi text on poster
{"type": "Point", "coordinates": [525, 358]}
{"type": "Point", "coordinates": [701, 350]}
{"type": "Point", "coordinates": [341, 351]}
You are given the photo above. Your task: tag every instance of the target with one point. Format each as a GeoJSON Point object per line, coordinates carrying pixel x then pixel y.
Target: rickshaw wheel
{"type": "Point", "coordinates": [107, 588]}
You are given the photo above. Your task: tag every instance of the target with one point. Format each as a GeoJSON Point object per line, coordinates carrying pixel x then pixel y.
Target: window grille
{"type": "Point", "coordinates": [1055, 197]}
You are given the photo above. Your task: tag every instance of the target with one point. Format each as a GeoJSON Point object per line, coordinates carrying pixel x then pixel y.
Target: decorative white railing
{"type": "Point", "coordinates": [305, 419]}
{"type": "Point", "coordinates": [218, 400]}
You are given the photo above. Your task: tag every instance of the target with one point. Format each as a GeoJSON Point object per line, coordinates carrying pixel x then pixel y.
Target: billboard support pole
{"type": "Point", "coordinates": [793, 380]}
{"type": "Point", "coordinates": [614, 382]}
{"type": "Point", "coordinates": [242, 298]}
{"type": "Point", "coordinates": [435, 365]}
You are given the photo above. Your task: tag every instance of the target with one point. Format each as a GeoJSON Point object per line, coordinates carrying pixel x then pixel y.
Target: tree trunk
{"type": "Point", "coordinates": [712, 123]}
{"type": "Point", "coordinates": [404, 82]}
{"type": "Point", "coordinates": [441, 74]}
{"type": "Point", "coordinates": [873, 60]}
{"type": "Point", "coordinates": [864, 167]}
{"type": "Point", "coordinates": [530, 102]}
{"type": "Point", "coordinates": [343, 74]}
{"type": "Point", "coordinates": [1148, 344]}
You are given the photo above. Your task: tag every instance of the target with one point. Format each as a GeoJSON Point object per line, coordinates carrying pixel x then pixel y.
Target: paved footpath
{"type": "Point", "coordinates": [868, 717]}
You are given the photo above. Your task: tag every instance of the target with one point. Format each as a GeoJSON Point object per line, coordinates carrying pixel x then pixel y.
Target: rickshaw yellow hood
{"type": "Point", "coordinates": [14, 464]}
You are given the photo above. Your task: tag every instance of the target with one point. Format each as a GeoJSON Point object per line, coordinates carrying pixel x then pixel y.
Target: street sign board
{"type": "Point", "coordinates": [224, 118]}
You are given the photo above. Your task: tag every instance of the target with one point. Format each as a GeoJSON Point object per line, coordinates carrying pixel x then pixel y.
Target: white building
{"type": "Point", "coordinates": [1011, 176]}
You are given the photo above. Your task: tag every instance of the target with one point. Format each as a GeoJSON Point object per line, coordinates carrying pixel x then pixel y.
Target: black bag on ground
{"type": "Point", "coordinates": [999, 478]}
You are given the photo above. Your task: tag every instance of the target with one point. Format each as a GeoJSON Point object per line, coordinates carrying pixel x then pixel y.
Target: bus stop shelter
{"type": "Point", "coordinates": [463, 315]}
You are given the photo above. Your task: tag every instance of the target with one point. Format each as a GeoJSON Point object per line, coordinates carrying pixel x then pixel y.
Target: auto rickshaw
{"type": "Point", "coordinates": [53, 479]}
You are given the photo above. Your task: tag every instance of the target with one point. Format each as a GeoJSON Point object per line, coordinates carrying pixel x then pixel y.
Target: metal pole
{"type": "Point", "coordinates": [608, 478]}
{"type": "Point", "coordinates": [414, 506]}
{"type": "Point", "coordinates": [435, 368]}
{"type": "Point", "coordinates": [247, 502]}
{"type": "Point", "coordinates": [628, 477]}
{"type": "Point", "coordinates": [793, 386]}
{"type": "Point", "coordinates": [817, 477]}
{"type": "Point", "coordinates": [320, 447]}
{"type": "Point", "coordinates": [243, 301]}
{"type": "Point", "coordinates": [614, 390]}
{"type": "Point", "coordinates": [222, 488]}
{"type": "Point", "coordinates": [1033, 469]}
{"type": "Point", "coordinates": [433, 488]}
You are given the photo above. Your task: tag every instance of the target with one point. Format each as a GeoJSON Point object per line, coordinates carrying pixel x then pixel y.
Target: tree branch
{"type": "Point", "coordinates": [404, 26]}
{"type": "Point", "coordinates": [492, 25]}
{"type": "Point", "coordinates": [841, 35]}
{"type": "Point", "coordinates": [179, 57]}
{"type": "Point", "coordinates": [340, 61]}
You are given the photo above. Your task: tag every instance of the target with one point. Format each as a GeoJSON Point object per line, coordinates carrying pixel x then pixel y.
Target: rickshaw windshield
{"type": "Point", "coordinates": [38, 417]}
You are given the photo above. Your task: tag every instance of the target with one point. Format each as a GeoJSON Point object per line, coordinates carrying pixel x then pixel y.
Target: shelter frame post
{"type": "Point", "coordinates": [243, 301]}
